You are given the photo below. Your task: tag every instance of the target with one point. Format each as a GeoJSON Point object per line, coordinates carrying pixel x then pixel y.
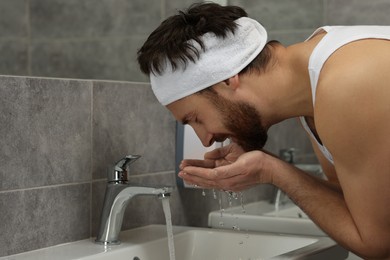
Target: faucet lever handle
{"type": "Point", "coordinates": [288, 154]}
{"type": "Point", "coordinates": [120, 173]}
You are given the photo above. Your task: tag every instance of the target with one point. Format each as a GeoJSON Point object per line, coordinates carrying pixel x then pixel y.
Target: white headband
{"type": "Point", "coordinates": [221, 59]}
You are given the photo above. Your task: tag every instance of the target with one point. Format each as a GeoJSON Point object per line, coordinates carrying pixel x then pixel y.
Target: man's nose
{"type": "Point", "coordinates": [208, 141]}
{"type": "Point", "coordinates": [205, 137]}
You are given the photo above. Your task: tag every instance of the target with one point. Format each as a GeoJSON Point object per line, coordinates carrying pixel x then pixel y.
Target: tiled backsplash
{"type": "Point", "coordinates": [58, 139]}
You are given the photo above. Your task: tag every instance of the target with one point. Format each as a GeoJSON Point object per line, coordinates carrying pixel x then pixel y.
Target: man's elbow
{"type": "Point", "coordinates": [379, 250]}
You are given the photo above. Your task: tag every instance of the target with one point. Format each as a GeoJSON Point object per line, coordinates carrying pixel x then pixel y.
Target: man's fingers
{"type": "Point", "coordinates": [211, 179]}
{"type": "Point", "coordinates": [222, 172]}
{"type": "Point", "coordinates": [197, 163]}
{"type": "Point", "coordinates": [217, 153]}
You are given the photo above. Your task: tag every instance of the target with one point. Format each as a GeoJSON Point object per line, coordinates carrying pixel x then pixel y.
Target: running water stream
{"type": "Point", "coordinates": [168, 220]}
{"type": "Point", "coordinates": [168, 216]}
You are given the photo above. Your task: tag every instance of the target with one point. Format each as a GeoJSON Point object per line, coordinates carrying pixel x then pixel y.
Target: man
{"type": "Point", "coordinates": [214, 70]}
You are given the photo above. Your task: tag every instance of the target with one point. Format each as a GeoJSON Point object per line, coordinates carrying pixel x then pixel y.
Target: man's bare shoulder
{"type": "Point", "coordinates": [364, 63]}
{"type": "Point", "coordinates": [357, 74]}
{"type": "Point", "coordinates": [352, 100]}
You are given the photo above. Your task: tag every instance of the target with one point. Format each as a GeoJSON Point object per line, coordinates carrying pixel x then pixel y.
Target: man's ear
{"type": "Point", "coordinates": [228, 86]}
{"type": "Point", "coordinates": [233, 82]}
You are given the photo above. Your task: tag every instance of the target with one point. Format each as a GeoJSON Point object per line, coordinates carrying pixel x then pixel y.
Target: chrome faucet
{"type": "Point", "coordinates": [288, 155]}
{"type": "Point", "coordinates": [118, 194]}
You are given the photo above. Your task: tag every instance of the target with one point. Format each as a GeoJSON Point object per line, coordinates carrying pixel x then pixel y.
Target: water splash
{"type": "Point", "coordinates": [221, 209]}
{"type": "Point", "coordinates": [242, 202]}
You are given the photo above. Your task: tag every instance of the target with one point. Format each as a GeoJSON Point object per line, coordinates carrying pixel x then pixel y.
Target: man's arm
{"type": "Point", "coordinates": [330, 210]}
{"type": "Point", "coordinates": [353, 120]}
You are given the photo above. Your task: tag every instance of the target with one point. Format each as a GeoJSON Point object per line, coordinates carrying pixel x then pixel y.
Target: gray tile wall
{"type": "Point", "coordinates": [59, 137]}
{"type": "Point", "coordinates": [92, 39]}
{"type": "Point", "coordinates": [45, 158]}
{"type": "Point", "coordinates": [35, 137]}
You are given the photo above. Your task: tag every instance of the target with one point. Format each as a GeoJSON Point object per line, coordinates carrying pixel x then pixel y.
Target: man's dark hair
{"type": "Point", "coordinates": [170, 41]}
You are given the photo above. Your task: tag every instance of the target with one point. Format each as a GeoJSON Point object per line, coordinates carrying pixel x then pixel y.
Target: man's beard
{"type": "Point", "coordinates": [243, 121]}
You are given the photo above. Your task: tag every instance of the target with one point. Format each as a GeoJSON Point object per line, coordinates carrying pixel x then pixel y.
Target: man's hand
{"type": "Point", "coordinates": [218, 157]}
{"type": "Point", "coordinates": [227, 168]}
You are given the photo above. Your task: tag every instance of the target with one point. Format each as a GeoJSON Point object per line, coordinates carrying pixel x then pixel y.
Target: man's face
{"type": "Point", "coordinates": [215, 118]}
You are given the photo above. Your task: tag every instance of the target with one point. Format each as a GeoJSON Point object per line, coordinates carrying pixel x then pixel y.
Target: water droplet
{"type": "Point", "coordinates": [236, 228]}
{"type": "Point", "coordinates": [222, 211]}
{"type": "Point", "coordinates": [242, 202]}
{"type": "Point", "coordinates": [215, 194]}
{"type": "Point", "coordinates": [220, 205]}
{"type": "Point", "coordinates": [230, 196]}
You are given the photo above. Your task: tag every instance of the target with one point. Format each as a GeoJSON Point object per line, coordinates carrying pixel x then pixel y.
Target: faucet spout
{"type": "Point", "coordinates": [118, 194]}
{"type": "Point", "coordinates": [116, 199]}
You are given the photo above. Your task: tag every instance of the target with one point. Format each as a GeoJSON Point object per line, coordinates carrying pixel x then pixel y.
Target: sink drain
{"type": "Point", "coordinates": [136, 258]}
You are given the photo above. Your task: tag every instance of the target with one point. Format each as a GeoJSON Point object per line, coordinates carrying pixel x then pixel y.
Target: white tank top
{"type": "Point", "coordinates": [336, 37]}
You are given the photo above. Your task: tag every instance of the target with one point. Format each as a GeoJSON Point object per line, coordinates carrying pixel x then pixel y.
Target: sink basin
{"type": "Point", "coordinates": [200, 244]}
{"type": "Point", "coordinates": [261, 216]}
{"type": "Point", "coordinates": [288, 212]}
{"type": "Point", "coordinates": [150, 243]}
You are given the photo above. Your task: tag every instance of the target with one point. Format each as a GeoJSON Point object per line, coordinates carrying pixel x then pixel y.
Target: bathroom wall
{"type": "Point", "coordinates": [89, 39]}
{"type": "Point", "coordinates": [98, 39]}
{"type": "Point", "coordinates": [58, 139]}
{"type": "Point", "coordinates": [59, 136]}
